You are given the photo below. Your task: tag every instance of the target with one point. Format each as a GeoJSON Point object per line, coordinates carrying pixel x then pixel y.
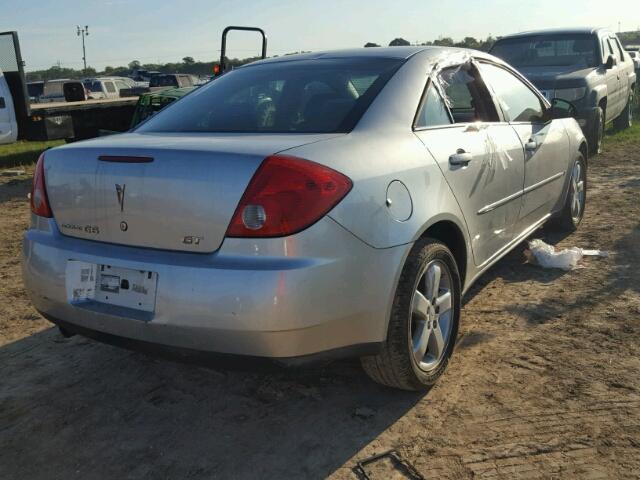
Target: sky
{"type": "Point", "coordinates": [155, 31]}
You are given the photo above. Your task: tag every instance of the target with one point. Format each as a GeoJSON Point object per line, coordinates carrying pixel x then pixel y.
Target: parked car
{"type": "Point", "coordinates": [152, 102]}
{"type": "Point", "coordinates": [172, 80]}
{"type": "Point", "coordinates": [310, 206]}
{"type": "Point", "coordinates": [144, 76]}
{"type": "Point", "coordinates": [35, 91]}
{"type": "Point", "coordinates": [107, 87]}
{"type": "Point", "coordinates": [585, 66]}
{"type": "Point", "coordinates": [63, 90]}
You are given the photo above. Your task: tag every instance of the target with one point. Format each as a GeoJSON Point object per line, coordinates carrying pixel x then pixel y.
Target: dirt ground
{"type": "Point", "coordinates": [544, 382]}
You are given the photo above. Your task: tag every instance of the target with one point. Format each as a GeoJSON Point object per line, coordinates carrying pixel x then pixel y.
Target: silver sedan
{"type": "Point", "coordinates": [311, 206]}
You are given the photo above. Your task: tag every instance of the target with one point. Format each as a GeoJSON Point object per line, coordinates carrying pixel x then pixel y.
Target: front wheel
{"type": "Point", "coordinates": [597, 132]}
{"type": "Point", "coordinates": [424, 320]}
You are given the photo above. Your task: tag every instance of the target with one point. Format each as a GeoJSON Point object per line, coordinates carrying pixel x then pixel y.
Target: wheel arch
{"type": "Point", "coordinates": [584, 149]}
{"type": "Point", "coordinates": [451, 233]}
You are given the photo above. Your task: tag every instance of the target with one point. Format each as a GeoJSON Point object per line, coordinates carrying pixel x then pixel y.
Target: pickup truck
{"type": "Point", "coordinates": [585, 66]}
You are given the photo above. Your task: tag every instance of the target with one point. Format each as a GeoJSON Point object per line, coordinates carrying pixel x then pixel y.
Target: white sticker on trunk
{"type": "Point", "coordinates": [80, 280]}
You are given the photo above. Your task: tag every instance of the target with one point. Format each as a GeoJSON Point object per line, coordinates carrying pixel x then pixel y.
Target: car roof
{"type": "Point", "coordinates": [62, 80]}
{"type": "Point", "coordinates": [558, 31]}
{"type": "Point", "coordinates": [400, 53]}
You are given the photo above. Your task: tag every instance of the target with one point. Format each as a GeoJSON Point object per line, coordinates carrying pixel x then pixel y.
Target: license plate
{"type": "Point", "coordinates": [111, 285]}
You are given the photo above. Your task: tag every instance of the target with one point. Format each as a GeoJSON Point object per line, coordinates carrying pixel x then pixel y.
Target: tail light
{"type": "Point", "coordinates": [39, 200]}
{"type": "Point", "coordinates": [286, 195]}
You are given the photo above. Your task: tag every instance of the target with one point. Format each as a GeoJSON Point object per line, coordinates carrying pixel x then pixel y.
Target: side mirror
{"type": "Point", "coordinates": [562, 109]}
{"type": "Point", "coordinates": [610, 63]}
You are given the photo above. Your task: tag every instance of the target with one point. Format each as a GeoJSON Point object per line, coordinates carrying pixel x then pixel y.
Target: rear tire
{"type": "Point", "coordinates": [625, 120]}
{"type": "Point", "coordinates": [573, 211]}
{"type": "Point", "coordinates": [597, 132]}
{"type": "Point", "coordinates": [424, 321]}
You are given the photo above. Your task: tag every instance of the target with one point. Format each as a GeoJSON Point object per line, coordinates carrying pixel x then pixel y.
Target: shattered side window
{"type": "Point", "coordinates": [466, 96]}
{"type": "Point", "coordinates": [433, 112]}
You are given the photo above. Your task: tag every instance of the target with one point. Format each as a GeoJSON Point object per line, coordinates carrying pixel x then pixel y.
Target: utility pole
{"type": "Point", "coordinates": [83, 32]}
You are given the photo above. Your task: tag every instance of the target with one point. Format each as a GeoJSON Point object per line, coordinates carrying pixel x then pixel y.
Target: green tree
{"type": "Point", "coordinates": [370, 44]}
{"type": "Point", "coordinates": [134, 65]}
{"type": "Point", "coordinates": [399, 42]}
{"type": "Point", "coordinates": [444, 42]}
{"type": "Point", "coordinates": [188, 60]}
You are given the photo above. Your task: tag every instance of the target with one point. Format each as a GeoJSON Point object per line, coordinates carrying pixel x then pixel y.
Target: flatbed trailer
{"type": "Point", "coordinates": [58, 120]}
{"type": "Point", "coordinates": [78, 120]}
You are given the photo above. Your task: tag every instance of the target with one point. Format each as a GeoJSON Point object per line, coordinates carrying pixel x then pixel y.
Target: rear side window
{"type": "Point", "coordinates": [320, 96]}
{"type": "Point", "coordinates": [93, 86]}
{"type": "Point", "coordinates": [517, 100]}
{"type": "Point", "coordinates": [620, 50]}
{"type": "Point", "coordinates": [109, 87]}
{"type": "Point", "coordinates": [433, 112]}
{"type": "Point", "coordinates": [614, 49]}
{"type": "Point", "coordinates": [608, 48]}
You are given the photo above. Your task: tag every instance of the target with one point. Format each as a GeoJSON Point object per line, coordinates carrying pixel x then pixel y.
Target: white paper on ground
{"type": "Point", "coordinates": [545, 255]}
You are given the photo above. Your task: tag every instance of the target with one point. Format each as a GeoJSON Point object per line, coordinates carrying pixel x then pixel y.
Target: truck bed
{"type": "Point", "coordinates": [60, 108]}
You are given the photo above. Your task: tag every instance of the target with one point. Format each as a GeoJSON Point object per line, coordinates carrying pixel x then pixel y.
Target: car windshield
{"type": "Point", "coordinates": [549, 51]}
{"type": "Point", "coordinates": [304, 96]}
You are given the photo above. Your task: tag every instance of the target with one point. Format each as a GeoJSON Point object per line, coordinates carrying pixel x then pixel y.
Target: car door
{"type": "Point", "coordinates": [625, 69]}
{"type": "Point", "coordinates": [544, 142]}
{"type": "Point", "coordinates": [480, 157]}
{"type": "Point", "coordinates": [612, 76]}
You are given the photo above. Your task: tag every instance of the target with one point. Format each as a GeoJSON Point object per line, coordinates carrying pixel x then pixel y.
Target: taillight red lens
{"type": "Point", "coordinates": [39, 200]}
{"type": "Point", "coordinates": [287, 194]}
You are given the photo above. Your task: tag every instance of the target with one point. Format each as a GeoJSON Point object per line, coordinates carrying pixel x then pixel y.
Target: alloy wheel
{"type": "Point", "coordinates": [432, 315]}
{"type": "Point", "coordinates": [577, 192]}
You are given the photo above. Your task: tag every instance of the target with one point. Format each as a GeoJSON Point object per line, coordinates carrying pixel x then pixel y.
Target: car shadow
{"type": "Point", "coordinates": [76, 408]}
{"type": "Point", "coordinates": [14, 188]}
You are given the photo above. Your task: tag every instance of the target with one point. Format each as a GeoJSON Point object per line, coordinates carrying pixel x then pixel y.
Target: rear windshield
{"type": "Point", "coordinates": [580, 50]}
{"type": "Point", "coordinates": [319, 96]}
{"type": "Point", "coordinates": [163, 81]}
{"type": "Point", "coordinates": [35, 89]}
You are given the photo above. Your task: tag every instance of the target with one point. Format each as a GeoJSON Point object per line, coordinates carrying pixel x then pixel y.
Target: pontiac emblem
{"type": "Point", "coordinates": [120, 194]}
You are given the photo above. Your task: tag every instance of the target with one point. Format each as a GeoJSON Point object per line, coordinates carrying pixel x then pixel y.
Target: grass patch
{"type": "Point", "coordinates": [23, 152]}
{"type": "Point", "coordinates": [629, 135]}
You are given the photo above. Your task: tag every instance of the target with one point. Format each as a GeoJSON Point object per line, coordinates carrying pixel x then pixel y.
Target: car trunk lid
{"type": "Point", "coordinates": [165, 191]}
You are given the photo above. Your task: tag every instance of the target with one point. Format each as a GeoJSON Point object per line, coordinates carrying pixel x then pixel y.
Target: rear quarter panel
{"type": "Point", "coordinates": [373, 162]}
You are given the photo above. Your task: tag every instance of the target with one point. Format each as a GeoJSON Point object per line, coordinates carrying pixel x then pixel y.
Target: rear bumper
{"type": "Point", "coordinates": [318, 291]}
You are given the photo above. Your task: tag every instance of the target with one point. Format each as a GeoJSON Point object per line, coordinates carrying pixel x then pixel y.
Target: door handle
{"type": "Point", "coordinates": [460, 158]}
{"type": "Point", "coordinates": [531, 145]}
